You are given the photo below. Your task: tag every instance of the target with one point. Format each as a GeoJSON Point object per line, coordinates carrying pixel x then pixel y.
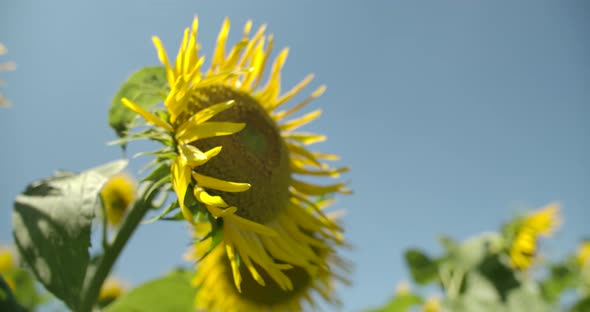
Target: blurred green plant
{"type": "Point", "coordinates": [484, 273]}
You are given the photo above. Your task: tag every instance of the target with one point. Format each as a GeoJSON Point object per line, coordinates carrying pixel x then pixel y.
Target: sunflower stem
{"type": "Point", "coordinates": [93, 283]}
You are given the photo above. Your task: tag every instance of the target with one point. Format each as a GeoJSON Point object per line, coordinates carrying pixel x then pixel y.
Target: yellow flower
{"type": "Point", "coordinates": [217, 290]}
{"type": "Point", "coordinates": [583, 254]}
{"type": "Point", "coordinates": [5, 67]}
{"type": "Point", "coordinates": [7, 264]}
{"type": "Point", "coordinates": [117, 195]}
{"type": "Point", "coordinates": [432, 304]}
{"type": "Point", "coordinates": [228, 127]}
{"type": "Point", "coordinates": [112, 289]}
{"type": "Point", "coordinates": [7, 260]}
{"type": "Point", "coordinates": [524, 246]}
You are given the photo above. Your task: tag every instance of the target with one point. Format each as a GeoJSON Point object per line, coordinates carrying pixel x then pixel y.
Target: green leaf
{"type": "Point", "coordinates": [171, 293]}
{"type": "Point", "coordinates": [475, 249]}
{"type": "Point", "coordinates": [561, 278]}
{"type": "Point", "coordinates": [51, 223]}
{"type": "Point", "coordinates": [581, 306]}
{"type": "Point", "coordinates": [528, 298]}
{"type": "Point", "coordinates": [25, 292]}
{"type": "Point", "coordinates": [422, 267]}
{"type": "Point", "coordinates": [400, 303]}
{"type": "Point", "coordinates": [500, 274]}
{"type": "Point", "coordinates": [145, 87]}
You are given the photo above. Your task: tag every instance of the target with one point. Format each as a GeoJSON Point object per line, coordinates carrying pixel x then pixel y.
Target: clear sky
{"type": "Point", "coordinates": [454, 115]}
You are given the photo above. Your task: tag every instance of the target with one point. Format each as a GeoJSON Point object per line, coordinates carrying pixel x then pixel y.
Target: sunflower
{"type": "Point", "coordinates": [117, 195]}
{"type": "Point", "coordinates": [540, 223]}
{"type": "Point", "coordinates": [583, 254]}
{"type": "Point", "coordinates": [112, 289]}
{"type": "Point", "coordinates": [7, 264]}
{"type": "Point", "coordinates": [5, 67]}
{"type": "Point", "coordinates": [225, 126]}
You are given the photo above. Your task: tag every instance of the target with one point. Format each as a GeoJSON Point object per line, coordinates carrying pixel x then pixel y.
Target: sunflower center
{"type": "Point", "coordinates": [256, 155]}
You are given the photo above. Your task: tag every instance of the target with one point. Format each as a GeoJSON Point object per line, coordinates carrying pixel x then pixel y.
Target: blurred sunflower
{"type": "Point", "coordinates": [7, 264]}
{"type": "Point", "coordinates": [5, 67]}
{"type": "Point", "coordinates": [432, 304]}
{"type": "Point", "coordinates": [112, 289]}
{"type": "Point", "coordinates": [117, 195]}
{"type": "Point", "coordinates": [543, 222]}
{"type": "Point", "coordinates": [583, 254]}
{"type": "Point", "coordinates": [270, 223]}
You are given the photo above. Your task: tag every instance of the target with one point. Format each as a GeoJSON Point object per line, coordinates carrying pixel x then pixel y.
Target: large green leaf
{"type": "Point", "coordinates": [170, 293]}
{"type": "Point", "coordinates": [145, 87]}
{"type": "Point", "coordinates": [422, 267]}
{"type": "Point", "coordinates": [51, 223]}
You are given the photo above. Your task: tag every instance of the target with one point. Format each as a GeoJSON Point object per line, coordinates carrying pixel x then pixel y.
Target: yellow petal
{"type": "Point", "coordinates": [149, 117]}
{"type": "Point", "coordinates": [270, 92]}
{"type": "Point", "coordinates": [334, 173]}
{"type": "Point", "coordinates": [207, 199]}
{"type": "Point", "coordinates": [221, 213]}
{"type": "Point", "coordinates": [220, 185]}
{"type": "Point", "coordinates": [207, 130]}
{"type": "Point", "coordinates": [204, 115]}
{"type": "Point", "coordinates": [193, 156]}
{"type": "Point", "coordinates": [291, 93]}
{"type": "Point", "coordinates": [231, 255]}
{"type": "Point", "coordinates": [305, 138]}
{"type": "Point", "coordinates": [191, 52]}
{"type": "Point", "coordinates": [181, 178]}
{"type": "Point", "coordinates": [181, 53]}
{"type": "Point", "coordinates": [282, 114]}
{"type": "Point", "coordinates": [298, 122]}
{"type": "Point", "coordinates": [219, 54]}
{"type": "Point", "coordinates": [163, 56]}
{"type": "Point", "coordinates": [247, 225]}
{"type": "Point", "coordinates": [311, 189]}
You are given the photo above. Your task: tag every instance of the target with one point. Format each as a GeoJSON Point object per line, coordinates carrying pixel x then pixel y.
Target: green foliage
{"type": "Point", "coordinates": [25, 292]}
{"type": "Point", "coordinates": [8, 300]}
{"type": "Point", "coordinates": [146, 88]}
{"type": "Point", "coordinates": [400, 303]}
{"type": "Point", "coordinates": [52, 220]}
{"type": "Point", "coordinates": [170, 293]}
{"type": "Point", "coordinates": [422, 267]}
{"type": "Point", "coordinates": [561, 277]}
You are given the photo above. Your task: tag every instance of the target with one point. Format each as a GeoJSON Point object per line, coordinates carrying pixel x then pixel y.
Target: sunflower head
{"type": "Point", "coordinates": [238, 159]}
{"type": "Point", "coordinates": [542, 222]}
{"type": "Point", "coordinates": [117, 195]}
{"type": "Point", "coordinates": [583, 254]}
{"type": "Point", "coordinates": [112, 289]}
{"type": "Point", "coordinates": [432, 304]}
{"type": "Point", "coordinates": [7, 259]}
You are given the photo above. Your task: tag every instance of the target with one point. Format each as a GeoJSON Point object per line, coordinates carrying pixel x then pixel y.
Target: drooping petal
{"type": "Point", "coordinates": [149, 117]}
{"type": "Point", "coordinates": [181, 178]}
{"type": "Point", "coordinates": [220, 185]}
{"type": "Point", "coordinates": [208, 130]}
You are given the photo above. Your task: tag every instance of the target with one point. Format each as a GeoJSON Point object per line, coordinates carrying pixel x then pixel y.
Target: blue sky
{"type": "Point", "coordinates": [453, 115]}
